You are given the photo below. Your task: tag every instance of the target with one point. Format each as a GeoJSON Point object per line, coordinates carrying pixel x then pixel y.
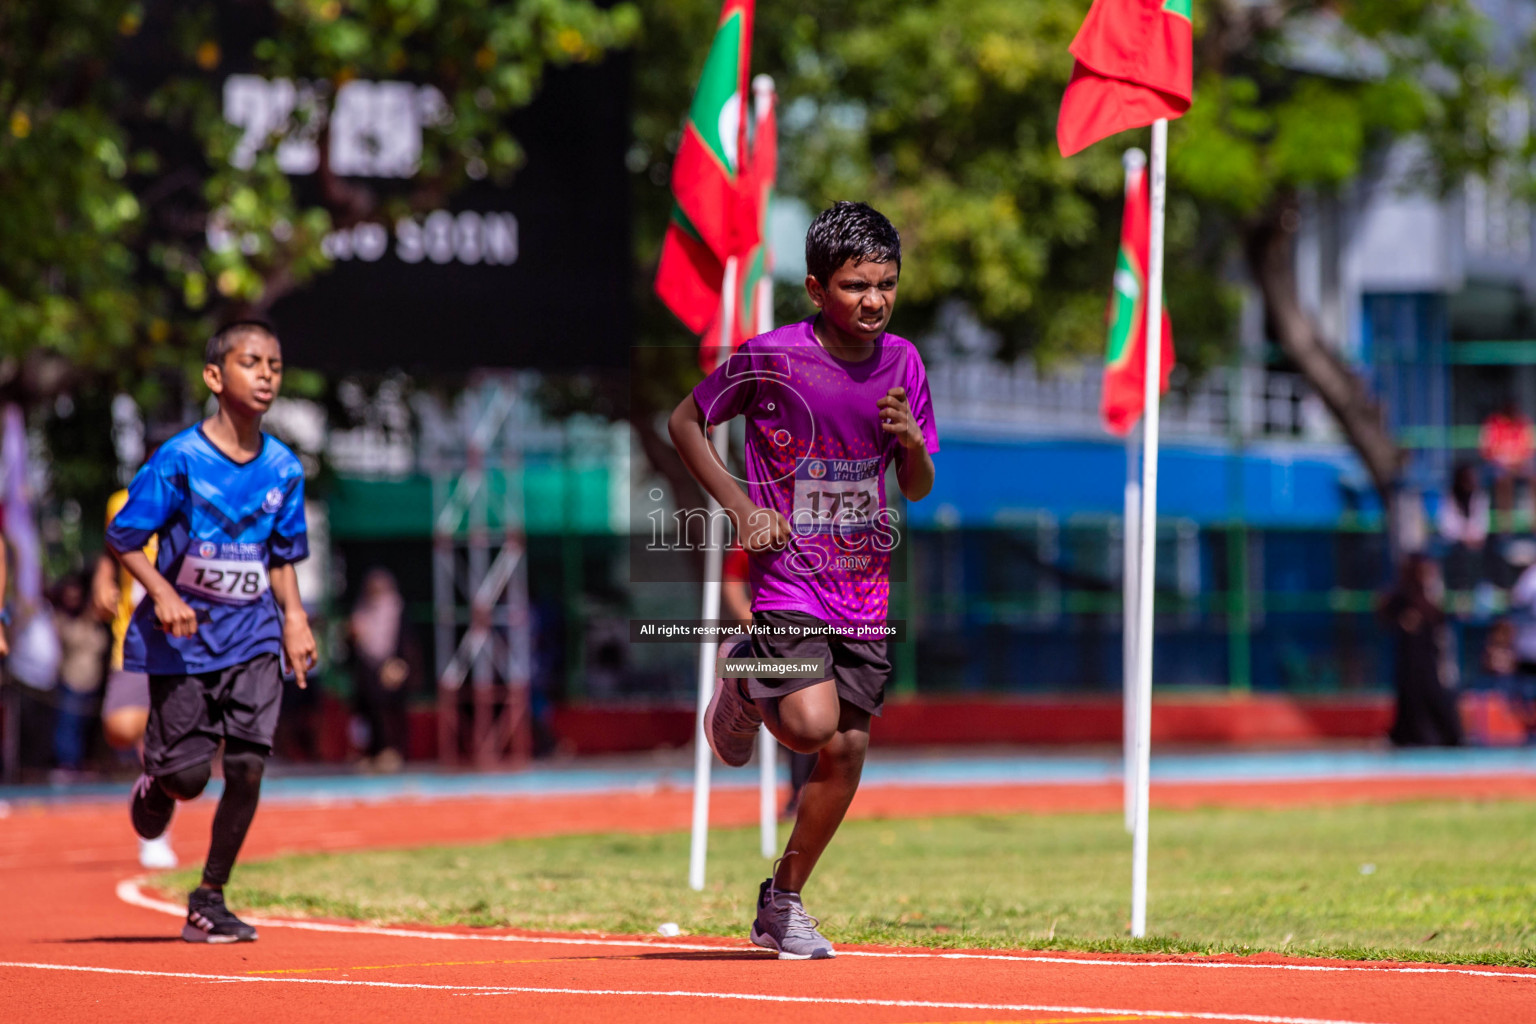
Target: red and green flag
{"type": "Point", "coordinates": [1125, 362]}
{"type": "Point", "coordinates": [754, 265]}
{"type": "Point", "coordinates": [689, 277]}
{"type": "Point", "coordinates": [715, 213]}
{"type": "Point", "coordinates": [707, 174]}
{"type": "Point", "coordinates": [1134, 65]}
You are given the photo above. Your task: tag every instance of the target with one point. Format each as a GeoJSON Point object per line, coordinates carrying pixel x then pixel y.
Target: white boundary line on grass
{"type": "Point", "coordinates": [131, 891]}
{"type": "Point", "coordinates": [922, 1004]}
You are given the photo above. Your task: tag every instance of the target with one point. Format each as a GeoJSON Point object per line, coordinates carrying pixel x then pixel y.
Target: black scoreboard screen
{"type": "Point", "coordinates": [534, 275]}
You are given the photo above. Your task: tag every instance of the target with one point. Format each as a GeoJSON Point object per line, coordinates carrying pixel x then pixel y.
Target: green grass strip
{"type": "Point", "coordinates": [1446, 882]}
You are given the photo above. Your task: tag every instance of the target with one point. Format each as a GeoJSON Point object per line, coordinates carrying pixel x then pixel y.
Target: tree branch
{"type": "Point", "coordinates": [1271, 252]}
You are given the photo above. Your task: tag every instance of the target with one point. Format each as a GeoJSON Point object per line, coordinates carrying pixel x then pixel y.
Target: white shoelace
{"type": "Point", "coordinates": [801, 924]}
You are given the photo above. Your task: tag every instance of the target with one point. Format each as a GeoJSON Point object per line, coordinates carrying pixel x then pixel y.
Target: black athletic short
{"type": "Point", "coordinates": [190, 714]}
{"type": "Point", "coordinates": [860, 668]}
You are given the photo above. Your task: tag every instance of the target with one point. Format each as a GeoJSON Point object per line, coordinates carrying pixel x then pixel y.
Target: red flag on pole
{"type": "Point", "coordinates": [716, 215]}
{"type": "Point", "coordinates": [706, 176]}
{"type": "Point", "coordinates": [754, 265]}
{"type": "Point", "coordinates": [1125, 361]}
{"type": "Point", "coordinates": [688, 278]}
{"type": "Point", "coordinates": [1135, 65]}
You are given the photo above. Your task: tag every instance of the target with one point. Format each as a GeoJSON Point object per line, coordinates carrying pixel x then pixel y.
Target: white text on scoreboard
{"type": "Point", "coordinates": [375, 127]}
{"type": "Point", "coordinates": [470, 237]}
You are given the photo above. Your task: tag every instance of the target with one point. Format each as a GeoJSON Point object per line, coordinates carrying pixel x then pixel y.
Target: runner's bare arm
{"type": "Point", "coordinates": [298, 641]}
{"type": "Point", "coordinates": [735, 601]}
{"type": "Point", "coordinates": [176, 616]}
{"type": "Point", "coordinates": [104, 592]}
{"type": "Point", "coordinates": [914, 466]}
{"type": "Point", "coordinates": [759, 528]}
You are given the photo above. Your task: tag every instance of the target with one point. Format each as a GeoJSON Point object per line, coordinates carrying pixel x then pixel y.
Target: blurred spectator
{"type": "Point", "coordinates": [1507, 441]}
{"type": "Point", "coordinates": [1422, 675]}
{"type": "Point", "coordinates": [1522, 623]}
{"type": "Point", "coordinates": [1499, 658]}
{"type": "Point", "coordinates": [1522, 605]}
{"type": "Point", "coordinates": [298, 726]}
{"type": "Point", "coordinates": [1502, 666]}
{"type": "Point", "coordinates": [381, 668]}
{"type": "Point", "coordinates": [115, 594]}
{"type": "Point", "coordinates": [1462, 523]}
{"type": "Point", "coordinates": [83, 647]}
{"type": "Point", "coordinates": [547, 683]}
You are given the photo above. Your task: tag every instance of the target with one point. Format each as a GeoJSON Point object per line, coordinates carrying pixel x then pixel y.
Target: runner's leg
{"type": "Point", "coordinates": [826, 796]}
{"type": "Point", "coordinates": [805, 720]}
{"type": "Point", "coordinates": [244, 764]}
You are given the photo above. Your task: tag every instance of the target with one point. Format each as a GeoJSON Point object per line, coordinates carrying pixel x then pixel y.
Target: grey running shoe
{"type": "Point", "coordinates": [732, 719]}
{"type": "Point", "coordinates": [209, 920]}
{"type": "Point", "coordinates": [782, 924]}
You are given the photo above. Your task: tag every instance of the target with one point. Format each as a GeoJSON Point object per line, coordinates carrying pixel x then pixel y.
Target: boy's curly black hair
{"type": "Point", "coordinates": [849, 231]}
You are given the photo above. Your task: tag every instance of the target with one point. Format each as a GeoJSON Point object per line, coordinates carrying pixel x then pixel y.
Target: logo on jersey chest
{"type": "Point", "coordinates": [273, 500]}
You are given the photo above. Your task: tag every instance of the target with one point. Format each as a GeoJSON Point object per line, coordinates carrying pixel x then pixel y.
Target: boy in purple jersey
{"type": "Point", "coordinates": [829, 403]}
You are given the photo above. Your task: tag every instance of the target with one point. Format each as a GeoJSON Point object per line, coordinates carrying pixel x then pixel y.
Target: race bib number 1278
{"type": "Point", "coordinates": [228, 573]}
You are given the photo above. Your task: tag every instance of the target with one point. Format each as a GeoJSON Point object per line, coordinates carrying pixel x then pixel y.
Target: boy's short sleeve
{"type": "Point", "coordinates": [290, 533]}
{"type": "Point", "coordinates": [920, 401]}
{"type": "Point", "coordinates": [730, 390]}
{"type": "Point", "coordinates": [157, 491]}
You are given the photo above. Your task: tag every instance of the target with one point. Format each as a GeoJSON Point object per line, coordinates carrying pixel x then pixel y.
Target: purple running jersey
{"type": "Point", "coordinates": [816, 454]}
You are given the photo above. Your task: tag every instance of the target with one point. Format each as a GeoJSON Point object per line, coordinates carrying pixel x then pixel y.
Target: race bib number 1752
{"type": "Point", "coordinates": [840, 495]}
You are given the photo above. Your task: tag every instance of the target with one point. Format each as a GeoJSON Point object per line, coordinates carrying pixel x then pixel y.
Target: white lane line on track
{"type": "Point", "coordinates": [131, 891]}
{"type": "Point", "coordinates": [920, 1004]}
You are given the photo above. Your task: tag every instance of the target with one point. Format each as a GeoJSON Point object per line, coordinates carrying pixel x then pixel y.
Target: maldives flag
{"type": "Point", "coordinates": [706, 176]}
{"type": "Point", "coordinates": [689, 276]}
{"type": "Point", "coordinates": [1125, 363]}
{"type": "Point", "coordinates": [714, 215]}
{"type": "Point", "coordinates": [754, 265]}
{"type": "Point", "coordinates": [1135, 65]}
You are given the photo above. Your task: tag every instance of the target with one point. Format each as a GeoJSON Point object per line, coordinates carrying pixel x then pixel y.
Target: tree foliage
{"type": "Point", "coordinates": [1299, 95]}
{"type": "Point", "coordinates": [1307, 97]}
{"type": "Point", "coordinates": [116, 156]}
{"type": "Point", "coordinates": [943, 113]}
{"type": "Point", "coordinates": [118, 162]}
{"type": "Point", "coordinates": [115, 164]}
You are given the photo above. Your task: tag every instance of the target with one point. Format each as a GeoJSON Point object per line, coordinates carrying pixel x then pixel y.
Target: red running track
{"type": "Point", "coordinates": [81, 943]}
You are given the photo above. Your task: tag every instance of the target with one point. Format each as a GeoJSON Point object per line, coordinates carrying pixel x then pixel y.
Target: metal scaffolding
{"type": "Point", "coordinates": [473, 455]}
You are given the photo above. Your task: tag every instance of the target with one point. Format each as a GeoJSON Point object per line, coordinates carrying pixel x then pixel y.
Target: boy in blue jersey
{"type": "Point", "coordinates": [221, 607]}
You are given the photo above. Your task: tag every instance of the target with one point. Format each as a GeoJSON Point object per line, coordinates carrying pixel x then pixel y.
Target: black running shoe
{"type": "Point", "coordinates": [150, 809]}
{"type": "Point", "coordinates": [209, 920]}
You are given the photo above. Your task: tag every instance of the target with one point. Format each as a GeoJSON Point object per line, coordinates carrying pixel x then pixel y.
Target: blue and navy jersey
{"type": "Point", "coordinates": [223, 525]}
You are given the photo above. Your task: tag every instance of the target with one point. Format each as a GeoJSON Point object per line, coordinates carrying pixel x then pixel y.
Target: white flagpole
{"type": "Point", "coordinates": [767, 746]}
{"type": "Point", "coordinates": [1135, 162]}
{"type": "Point", "coordinates": [1148, 572]}
{"type": "Point", "coordinates": [714, 540]}
{"type": "Point", "coordinates": [1132, 551]}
